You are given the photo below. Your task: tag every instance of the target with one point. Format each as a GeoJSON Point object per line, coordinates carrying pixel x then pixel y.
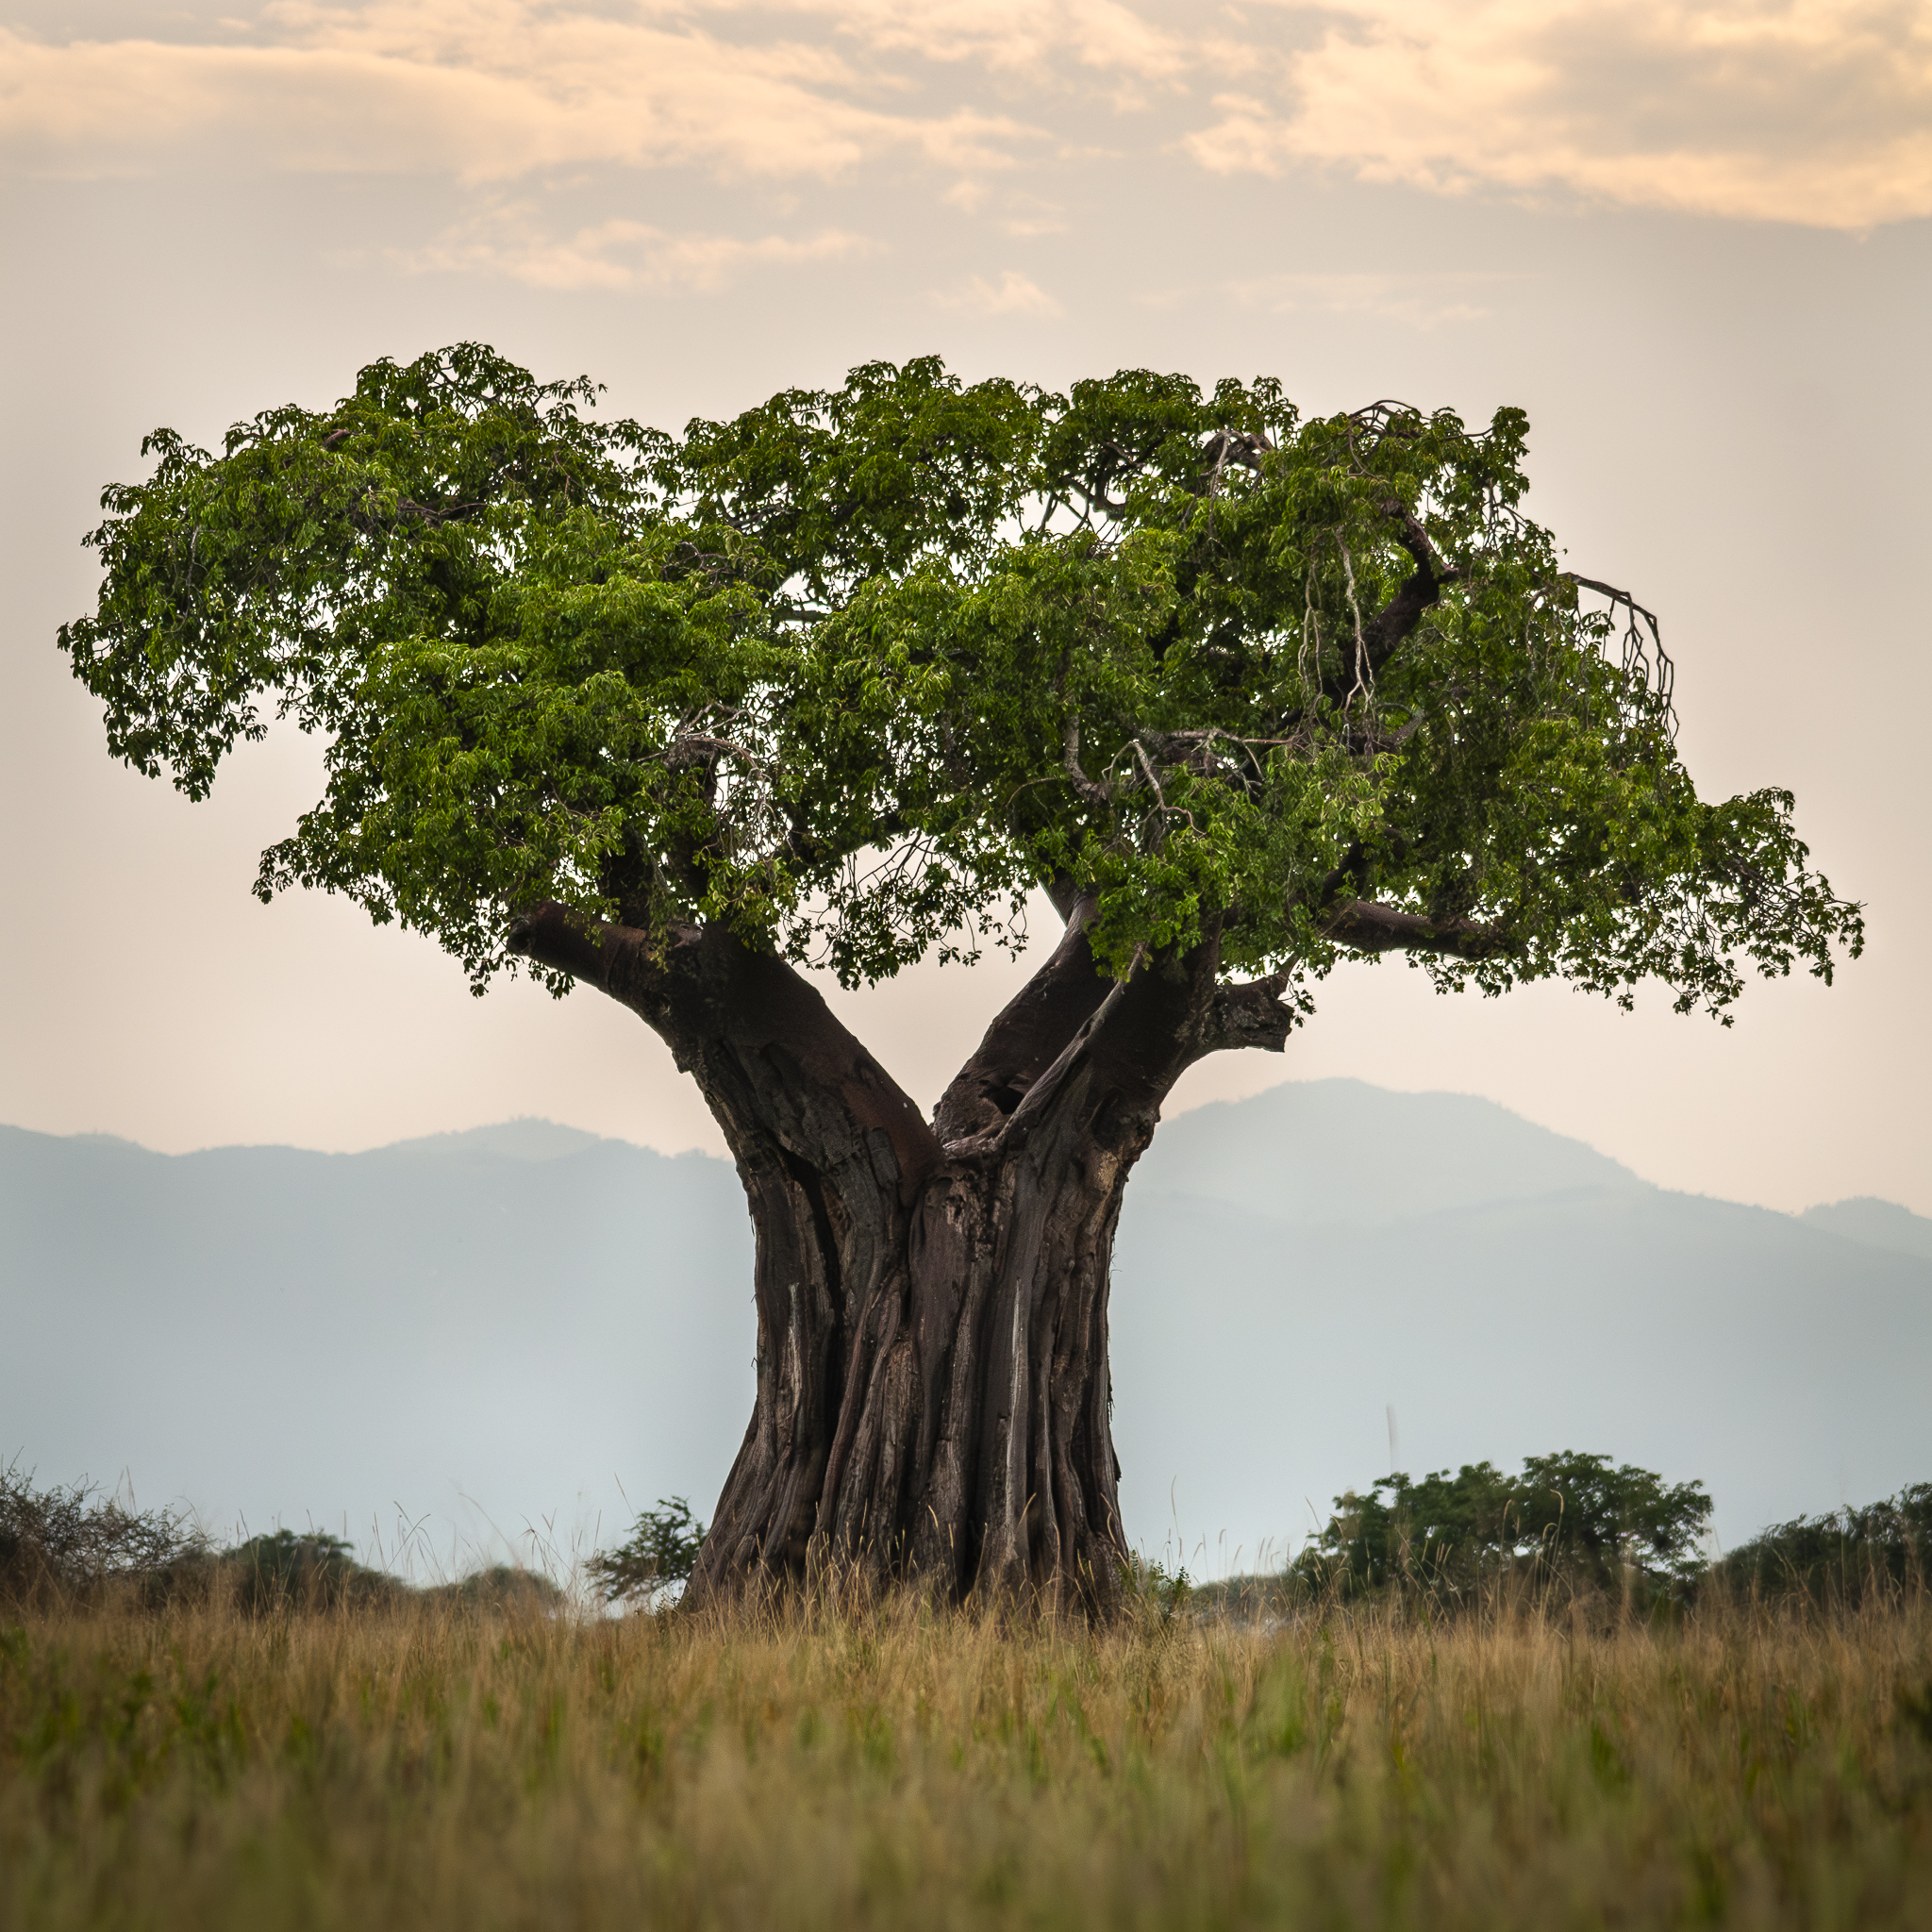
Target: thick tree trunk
{"type": "Point", "coordinates": [945, 1414]}
{"type": "Point", "coordinates": [932, 1300]}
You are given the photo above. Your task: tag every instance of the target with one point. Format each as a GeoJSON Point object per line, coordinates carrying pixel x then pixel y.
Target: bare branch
{"type": "Point", "coordinates": [1229, 446]}
{"type": "Point", "coordinates": [1377, 640]}
{"type": "Point", "coordinates": [1648, 665]}
{"type": "Point", "coordinates": [1070, 756]}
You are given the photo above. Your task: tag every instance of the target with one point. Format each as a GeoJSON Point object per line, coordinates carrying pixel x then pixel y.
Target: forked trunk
{"type": "Point", "coordinates": [932, 1392]}
{"type": "Point", "coordinates": [933, 1397]}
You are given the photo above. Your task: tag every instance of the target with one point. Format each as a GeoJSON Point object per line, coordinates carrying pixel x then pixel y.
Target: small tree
{"type": "Point", "coordinates": [1842, 1556]}
{"type": "Point", "coordinates": [661, 1553]}
{"type": "Point", "coordinates": [305, 1569]}
{"type": "Point", "coordinates": [68, 1541]}
{"type": "Point", "coordinates": [1579, 1518]}
{"type": "Point", "coordinates": [844, 681]}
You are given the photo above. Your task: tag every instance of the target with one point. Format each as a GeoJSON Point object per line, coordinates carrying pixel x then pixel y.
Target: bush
{"type": "Point", "coordinates": [70, 1543]}
{"type": "Point", "coordinates": [283, 1568]}
{"type": "Point", "coordinates": [1846, 1556]}
{"type": "Point", "coordinates": [501, 1586]}
{"type": "Point", "coordinates": [73, 1545]}
{"type": "Point", "coordinates": [1570, 1521]}
{"type": "Point", "coordinates": [661, 1551]}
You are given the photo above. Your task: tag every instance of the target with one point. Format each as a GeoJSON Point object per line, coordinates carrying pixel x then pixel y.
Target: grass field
{"type": "Point", "coordinates": [427, 1765]}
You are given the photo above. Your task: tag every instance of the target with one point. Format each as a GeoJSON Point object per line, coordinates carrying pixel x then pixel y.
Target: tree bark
{"type": "Point", "coordinates": [933, 1397]}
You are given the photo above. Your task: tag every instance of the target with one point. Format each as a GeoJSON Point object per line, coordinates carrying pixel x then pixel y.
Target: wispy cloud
{"type": "Point", "coordinates": [1422, 301]}
{"type": "Point", "coordinates": [510, 239]}
{"type": "Point", "coordinates": [1805, 110]}
{"type": "Point", "coordinates": [1012, 294]}
{"type": "Point", "coordinates": [1023, 37]}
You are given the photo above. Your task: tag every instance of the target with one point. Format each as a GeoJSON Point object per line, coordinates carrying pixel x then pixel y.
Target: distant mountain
{"type": "Point", "coordinates": [492, 1330]}
{"type": "Point", "coordinates": [1293, 1267]}
{"type": "Point", "coordinates": [1878, 1223]}
{"type": "Point", "coordinates": [1324, 1152]}
{"type": "Point", "coordinates": [524, 1139]}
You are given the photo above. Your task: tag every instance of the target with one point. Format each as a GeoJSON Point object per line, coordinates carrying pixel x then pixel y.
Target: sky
{"type": "Point", "coordinates": [1691, 241]}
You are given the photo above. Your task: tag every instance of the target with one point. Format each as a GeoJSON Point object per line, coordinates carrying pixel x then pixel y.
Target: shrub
{"type": "Point", "coordinates": [662, 1548]}
{"type": "Point", "coordinates": [501, 1586]}
{"type": "Point", "coordinates": [1569, 1520]}
{"type": "Point", "coordinates": [286, 1567]}
{"type": "Point", "coordinates": [66, 1542]}
{"type": "Point", "coordinates": [1846, 1556]}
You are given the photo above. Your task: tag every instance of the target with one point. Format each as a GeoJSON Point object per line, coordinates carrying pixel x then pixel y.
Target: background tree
{"type": "Point", "coordinates": [66, 1543]}
{"type": "Point", "coordinates": [1579, 1518]}
{"type": "Point", "coordinates": [842, 682]}
{"type": "Point", "coordinates": [661, 1553]}
{"type": "Point", "coordinates": [1846, 1556]}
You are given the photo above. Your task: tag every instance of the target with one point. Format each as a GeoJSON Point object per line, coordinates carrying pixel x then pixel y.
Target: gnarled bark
{"type": "Point", "coordinates": [933, 1397]}
{"type": "Point", "coordinates": [932, 1366]}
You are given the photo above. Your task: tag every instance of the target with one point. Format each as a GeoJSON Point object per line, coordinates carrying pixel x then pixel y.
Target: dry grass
{"type": "Point", "coordinates": [423, 1764]}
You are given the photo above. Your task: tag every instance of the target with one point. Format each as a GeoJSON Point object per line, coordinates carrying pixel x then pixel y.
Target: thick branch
{"type": "Point", "coordinates": [568, 942]}
{"type": "Point", "coordinates": [1070, 758]}
{"type": "Point", "coordinates": [1251, 1014]}
{"type": "Point", "coordinates": [1106, 1084]}
{"type": "Point", "coordinates": [834, 1158]}
{"type": "Point", "coordinates": [1383, 633]}
{"type": "Point", "coordinates": [1367, 927]}
{"type": "Point", "coordinates": [769, 1055]}
{"type": "Point", "coordinates": [1246, 1014]}
{"type": "Point", "coordinates": [1026, 1035]}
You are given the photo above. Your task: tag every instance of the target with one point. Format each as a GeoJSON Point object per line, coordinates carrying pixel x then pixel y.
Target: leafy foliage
{"type": "Point", "coordinates": [1843, 1555]}
{"type": "Point", "coordinates": [661, 1552]}
{"type": "Point", "coordinates": [68, 1544]}
{"type": "Point", "coordinates": [308, 1568]}
{"type": "Point", "coordinates": [856, 670]}
{"type": "Point", "coordinates": [1572, 1516]}
{"type": "Point", "coordinates": [1158, 1592]}
{"type": "Point", "coordinates": [502, 1587]}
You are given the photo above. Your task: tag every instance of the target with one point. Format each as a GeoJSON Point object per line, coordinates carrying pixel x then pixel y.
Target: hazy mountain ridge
{"type": "Point", "coordinates": [519, 1314]}
{"type": "Point", "coordinates": [1878, 1223]}
{"type": "Point", "coordinates": [1332, 1151]}
{"type": "Point", "coordinates": [526, 1138]}
{"type": "Point", "coordinates": [293, 1334]}
{"type": "Point", "coordinates": [1561, 1302]}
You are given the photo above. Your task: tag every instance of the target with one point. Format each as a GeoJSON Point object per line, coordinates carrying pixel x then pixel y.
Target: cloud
{"type": "Point", "coordinates": [619, 254]}
{"type": "Point", "coordinates": [1014, 213]}
{"type": "Point", "coordinates": [1012, 294]}
{"type": "Point", "coordinates": [486, 90]}
{"type": "Point", "coordinates": [1422, 301]}
{"type": "Point", "coordinates": [1023, 37]}
{"type": "Point", "coordinates": [1817, 111]}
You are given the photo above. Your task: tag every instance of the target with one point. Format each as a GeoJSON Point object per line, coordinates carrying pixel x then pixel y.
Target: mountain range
{"type": "Point", "coordinates": [518, 1335]}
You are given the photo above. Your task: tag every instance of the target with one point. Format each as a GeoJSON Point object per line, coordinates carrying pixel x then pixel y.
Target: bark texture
{"type": "Point", "coordinates": [932, 1299]}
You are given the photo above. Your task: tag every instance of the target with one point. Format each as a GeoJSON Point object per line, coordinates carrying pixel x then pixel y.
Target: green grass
{"type": "Point", "coordinates": [424, 1762]}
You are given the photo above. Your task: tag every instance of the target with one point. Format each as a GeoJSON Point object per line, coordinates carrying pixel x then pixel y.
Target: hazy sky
{"type": "Point", "coordinates": [1692, 241]}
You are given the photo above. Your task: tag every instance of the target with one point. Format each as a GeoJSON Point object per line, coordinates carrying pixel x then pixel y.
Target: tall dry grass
{"type": "Point", "coordinates": [427, 1765]}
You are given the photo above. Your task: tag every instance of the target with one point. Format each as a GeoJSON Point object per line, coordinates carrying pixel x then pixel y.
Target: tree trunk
{"type": "Point", "coordinates": [933, 1397]}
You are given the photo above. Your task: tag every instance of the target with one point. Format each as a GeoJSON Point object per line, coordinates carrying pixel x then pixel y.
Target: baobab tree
{"type": "Point", "coordinates": [849, 681]}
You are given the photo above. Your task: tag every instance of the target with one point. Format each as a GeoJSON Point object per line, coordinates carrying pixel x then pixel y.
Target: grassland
{"type": "Point", "coordinates": [431, 1763]}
